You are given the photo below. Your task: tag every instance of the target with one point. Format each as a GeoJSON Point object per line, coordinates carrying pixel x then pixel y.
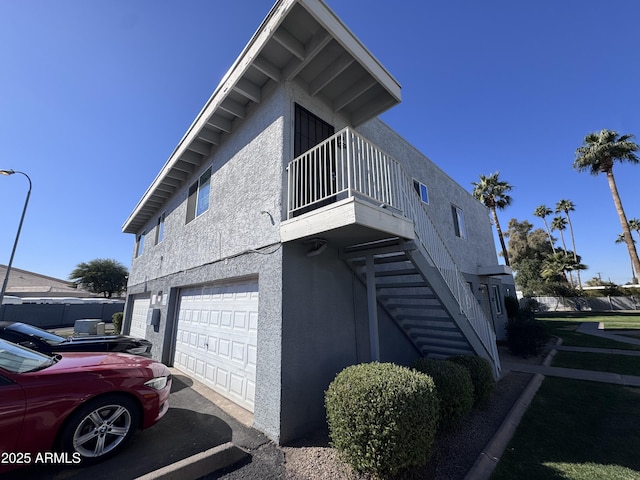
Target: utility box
{"type": "Point", "coordinates": [89, 326]}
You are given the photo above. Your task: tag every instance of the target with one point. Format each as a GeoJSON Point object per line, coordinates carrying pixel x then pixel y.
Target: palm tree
{"type": "Point", "coordinates": [620, 239]}
{"type": "Point", "coordinates": [542, 211]}
{"type": "Point", "coordinates": [492, 193]}
{"type": "Point", "coordinates": [560, 224]}
{"type": "Point", "coordinates": [597, 155]}
{"type": "Point", "coordinates": [634, 224]}
{"type": "Point", "coordinates": [567, 206]}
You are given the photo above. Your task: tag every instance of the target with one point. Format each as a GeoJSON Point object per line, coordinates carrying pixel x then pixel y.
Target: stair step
{"type": "Point", "coordinates": [429, 325]}
{"type": "Point", "coordinates": [439, 342]}
{"type": "Point", "coordinates": [412, 284]}
{"type": "Point", "coordinates": [414, 306]}
{"type": "Point", "coordinates": [444, 351]}
{"type": "Point", "coordinates": [396, 272]}
{"type": "Point", "coordinates": [408, 296]}
{"type": "Point", "coordinates": [384, 259]}
{"type": "Point", "coordinates": [380, 246]}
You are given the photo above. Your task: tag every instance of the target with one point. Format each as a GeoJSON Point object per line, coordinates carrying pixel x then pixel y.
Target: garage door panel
{"type": "Point", "coordinates": [224, 319]}
{"type": "Point", "coordinates": [138, 327]}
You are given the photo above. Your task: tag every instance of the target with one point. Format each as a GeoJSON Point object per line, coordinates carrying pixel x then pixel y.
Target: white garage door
{"type": "Point", "coordinates": [138, 327]}
{"type": "Point", "coordinates": [217, 338]}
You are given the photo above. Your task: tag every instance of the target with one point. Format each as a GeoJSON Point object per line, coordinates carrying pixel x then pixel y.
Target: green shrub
{"type": "Point", "coordinates": [116, 318]}
{"type": "Point", "coordinates": [512, 306]}
{"type": "Point", "coordinates": [453, 386]}
{"type": "Point", "coordinates": [526, 336]}
{"type": "Point", "coordinates": [481, 377]}
{"type": "Point", "coordinates": [382, 417]}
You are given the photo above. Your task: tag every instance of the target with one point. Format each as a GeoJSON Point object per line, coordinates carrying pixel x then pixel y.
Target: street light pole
{"type": "Point", "coordinates": [15, 243]}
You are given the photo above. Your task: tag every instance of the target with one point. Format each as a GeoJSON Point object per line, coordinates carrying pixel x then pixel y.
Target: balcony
{"type": "Point", "coordinates": [347, 190]}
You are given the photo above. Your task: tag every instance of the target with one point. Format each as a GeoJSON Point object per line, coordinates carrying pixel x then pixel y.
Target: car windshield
{"type": "Point", "coordinates": [47, 337]}
{"type": "Point", "coordinates": [17, 359]}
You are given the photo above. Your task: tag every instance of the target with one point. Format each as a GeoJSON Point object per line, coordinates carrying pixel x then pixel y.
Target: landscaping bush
{"type": "Point", "coordinates": [453, 387]}
{"type": "Point", "coordinates": [481, 377]}
{"type": "Point", "coordinates": [116, 318]}
{"type": "Point", "coordinates": [512, 306]}
{"type": "Point", "coordinates": [526, 336]}
{"type": "Point", "coordinates": [382, 417]}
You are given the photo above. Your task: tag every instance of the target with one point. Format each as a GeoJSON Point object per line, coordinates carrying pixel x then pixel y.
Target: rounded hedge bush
{"type": "Point", "coordinates": [453, 387]}
{"type": "Point", "coordinates": [481, 376]}
{"type": "Point", "coordinates": [382, 417]}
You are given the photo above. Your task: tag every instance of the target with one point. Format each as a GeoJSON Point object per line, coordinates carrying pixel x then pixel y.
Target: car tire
{"type": "Point", "coordinates": [99, 428]}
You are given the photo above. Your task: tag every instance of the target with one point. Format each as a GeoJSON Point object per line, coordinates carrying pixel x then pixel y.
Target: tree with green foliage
{"type": "Point", "coordinates": [598, 153]}
{"type": "Point", "coordinates": [528, 248]}
{"type": "Point", "coordinates": [492, 193]}
{"type": "Point", "coordinates": [101, 276]}
{"type": "Point", "coordinates": [567, 206]}
{"type": "Point", "coordinates": [543, 211]}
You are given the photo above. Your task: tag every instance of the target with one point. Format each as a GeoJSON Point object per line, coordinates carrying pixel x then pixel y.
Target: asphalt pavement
{"type": "Point", "coordinates": [193, 439]}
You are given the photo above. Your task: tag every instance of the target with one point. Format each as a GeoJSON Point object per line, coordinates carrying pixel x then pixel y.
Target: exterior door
{"type": "Point", "coordinates": [216, 340]}
{"type": "Point", "coordinates": [315, 185]}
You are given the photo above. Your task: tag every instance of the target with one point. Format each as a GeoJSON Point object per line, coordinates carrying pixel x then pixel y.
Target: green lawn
{"type": "Point", "coordinates": [622, 364]}
{"type": "Point", "coordinates": [565, 326]}
{"type": "Point", "coordinates": [576, 430]}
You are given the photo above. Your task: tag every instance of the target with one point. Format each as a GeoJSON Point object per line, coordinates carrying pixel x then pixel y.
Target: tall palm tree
{"type": "Point", "coordinates": [542, 211]}
{"type": "Point", "coordinates": [567, 206]}
{"type": "Point", "coordinates": [597, 155]}
{"type": "Point", "coordinates": [492, 193]}
{"type": "Point", "coordinates": [560, 224]}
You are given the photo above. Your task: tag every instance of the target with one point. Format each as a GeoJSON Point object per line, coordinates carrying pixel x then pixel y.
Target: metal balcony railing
{"type": "Point", "coordinates": [347, 165]}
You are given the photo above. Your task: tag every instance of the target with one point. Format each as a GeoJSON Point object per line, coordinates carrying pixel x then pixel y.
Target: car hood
{"type": "Point", "coordinates": [81, 361]}
{"type": "Point", "coordinates": [107, 339]}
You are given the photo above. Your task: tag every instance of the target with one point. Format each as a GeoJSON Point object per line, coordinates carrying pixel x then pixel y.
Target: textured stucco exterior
{"type": "Point", "coordinates": [312, 310]}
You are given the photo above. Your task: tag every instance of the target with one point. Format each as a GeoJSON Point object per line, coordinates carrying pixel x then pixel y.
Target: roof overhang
{"type": "Point", "coordinates": [492, 270]}
{"type": "Point", "coordinates": [299, 40]}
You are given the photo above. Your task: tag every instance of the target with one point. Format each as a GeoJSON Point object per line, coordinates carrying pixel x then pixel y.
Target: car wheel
{"type": "Point", "coordinates": [100, 428]}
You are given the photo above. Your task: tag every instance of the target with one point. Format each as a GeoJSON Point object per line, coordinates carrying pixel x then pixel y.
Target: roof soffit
{"type": "Point", "coordinates": [299, 40]}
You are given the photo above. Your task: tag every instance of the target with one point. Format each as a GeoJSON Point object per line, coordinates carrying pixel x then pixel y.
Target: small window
{"type": "Point", "coordinates": [140, 244]}
{"type": "Point", "coordinates": [496, 299]}
{"type": "Point", "coordinates": [421, 190]}
{"type": "Point", "coordinates": [458, 222]}
{"type": "Point", "coordinates": [160, 229]}
{"type": "Point", "coordinates": [198, 200]}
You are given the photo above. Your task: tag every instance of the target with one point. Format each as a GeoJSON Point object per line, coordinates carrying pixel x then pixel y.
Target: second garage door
{"type": "Point", "coordinates": [138, 326]}
{"type": "Point", "coordinates": [217, 338]}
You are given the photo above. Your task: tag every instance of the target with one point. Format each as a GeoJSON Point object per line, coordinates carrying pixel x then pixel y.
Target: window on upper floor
{"type": "Point", "coordinates": [140, 243]}
{"type": "Point", "coordinates": [421, 190]}
{"type": "Point", "coordinates": [160, 229]}
{"type": "Point", "coordinates": [458, 222]}
{"type": "Point", "coordinates": [198, 200]}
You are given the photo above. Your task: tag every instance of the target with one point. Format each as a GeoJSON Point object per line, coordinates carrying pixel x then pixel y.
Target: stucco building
{"type": "Point", "coordinates": [292, 233]}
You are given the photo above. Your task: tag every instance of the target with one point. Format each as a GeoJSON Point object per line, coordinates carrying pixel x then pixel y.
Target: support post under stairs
{"type": "Point", "coordinates": [372, 307]}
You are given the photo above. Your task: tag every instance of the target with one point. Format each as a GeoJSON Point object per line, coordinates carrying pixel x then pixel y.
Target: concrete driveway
{"type": "Point", "coordinates": [194, 428]}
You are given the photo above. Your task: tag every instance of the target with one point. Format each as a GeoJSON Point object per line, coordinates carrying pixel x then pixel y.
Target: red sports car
{"type": "Point", "coordinates": [75, 408]}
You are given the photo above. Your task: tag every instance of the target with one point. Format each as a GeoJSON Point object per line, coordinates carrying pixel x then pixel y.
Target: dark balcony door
{"type": "Point", "coordinates": [318, 181]}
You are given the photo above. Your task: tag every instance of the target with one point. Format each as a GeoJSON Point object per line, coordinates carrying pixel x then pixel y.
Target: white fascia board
{"type": "Point", "coordinates": [350, 42]}
{"type": "Point", "coordinates": [233, 75]}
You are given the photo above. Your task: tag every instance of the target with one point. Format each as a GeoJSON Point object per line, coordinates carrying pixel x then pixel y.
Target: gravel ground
{"type": "Point", "coordinates": [454, 454]}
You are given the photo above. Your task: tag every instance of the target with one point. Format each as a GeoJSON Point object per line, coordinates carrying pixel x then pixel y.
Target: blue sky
{"type": "Point", "coordinates": [94, 97]}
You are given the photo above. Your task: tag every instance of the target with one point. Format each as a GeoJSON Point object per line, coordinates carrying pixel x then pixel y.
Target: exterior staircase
{"type": "Point", "coordinates": [417, 282]}
{"type": "Point", "coordinates": [414, 294]}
